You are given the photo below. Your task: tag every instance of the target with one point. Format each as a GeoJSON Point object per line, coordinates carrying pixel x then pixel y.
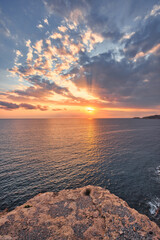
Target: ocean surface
{"type": "Point", "coordinates": [122, 155]}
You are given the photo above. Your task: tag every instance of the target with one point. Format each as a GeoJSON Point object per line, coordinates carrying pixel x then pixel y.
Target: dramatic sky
{"type": "Point", "coordinates": [79, 58]}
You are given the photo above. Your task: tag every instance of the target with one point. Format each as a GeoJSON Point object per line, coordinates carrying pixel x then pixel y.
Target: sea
{"type": "Point", "coordinates": [122, 155]}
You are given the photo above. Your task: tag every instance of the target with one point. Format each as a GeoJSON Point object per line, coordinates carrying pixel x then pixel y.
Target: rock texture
{"type": "Point", "coordinates": [84, 213]}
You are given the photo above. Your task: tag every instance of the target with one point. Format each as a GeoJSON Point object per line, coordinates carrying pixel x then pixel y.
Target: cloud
{"type": "Point", "coordinates": [137, 18]}
{"type": "Point", "coordinates": [127, 36]}
{"type": "Point", "coordinates": [40, 26]}
{"type": "Point", "coordinates": [59, 109]}
{"type": "Point", "coordinates": [30, 51]}
{"type": "Point", "coordinates": [12, 106]}
{"type": "Point", "coordinates": [18, 53]}
{"type": "Point", "coordinates": [41, 89]}
{"type": "Point", "coordinates": [122, 83]}
{"type": "Point", "coordinates": [56, 35]}
{"type": "Point", "coordinates": [27, 106]}
{"type": "Point", "coordinates": [153, 50]}
{"type": "Point", "coordinates": [46, 21]}
{"type": "Point", "coordinates": [62, 29]}
{"type": "Point", "coordinates": [145, 38]}
{"type": "Point", "coordinates": [154, 12]}
{"type": "Point", "coordinates": [38, 46]}
{"type": "Point", "coordinates": [8, 105]}
{"type": "Point", "coordinates": [42, 108]}
{"type": "Point", "coordinates": [100, 54]}
{"type": "Point", "coordinates": [4, 30]}
{"type": "Point", "coordinates": [3, 94]}
{"type": "Point", "coordinates": [56, 6]}
{"type": "Point", "coordinates": [90, 39]}
{"type": "Point", "coordinates": [89, 13]}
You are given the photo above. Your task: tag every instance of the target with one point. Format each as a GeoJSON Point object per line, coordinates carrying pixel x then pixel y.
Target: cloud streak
{"type": "Point", "coordinates": [12, 106]}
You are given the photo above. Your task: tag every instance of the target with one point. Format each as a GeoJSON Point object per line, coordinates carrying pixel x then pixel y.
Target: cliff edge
{"type": "Point", "coordinates": [84, 213]}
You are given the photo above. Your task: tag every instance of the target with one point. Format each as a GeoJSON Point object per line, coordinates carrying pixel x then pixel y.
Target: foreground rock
{"type": "Point", "coordinates": [84, 213]}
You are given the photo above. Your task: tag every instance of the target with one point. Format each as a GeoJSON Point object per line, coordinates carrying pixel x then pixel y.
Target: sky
{"type": "Point", "coordinates": [79, 58]}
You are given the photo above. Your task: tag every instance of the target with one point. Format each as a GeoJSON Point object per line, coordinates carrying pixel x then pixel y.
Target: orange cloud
{"type": "Point", "coordinates": [38, 46]}
{"type": "Point", "coordinates": [153, 50]}
{"type": "Point", "coordinates": [62, 29]}
{"type": "Point", "coordinates": [30, 51]}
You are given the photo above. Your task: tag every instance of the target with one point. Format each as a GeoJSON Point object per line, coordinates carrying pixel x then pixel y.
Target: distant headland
{"type": "Point", "coordinates": [149, 117]}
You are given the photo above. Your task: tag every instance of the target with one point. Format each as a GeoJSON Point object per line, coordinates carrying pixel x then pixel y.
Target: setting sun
{"type": "Point", "coordinates": [79, 119]}
{"type": "Point", "coordinates": [90, 109]}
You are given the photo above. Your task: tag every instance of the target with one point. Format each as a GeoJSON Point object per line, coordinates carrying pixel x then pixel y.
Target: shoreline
{"type": "Point", "coordinates": [84, 213]}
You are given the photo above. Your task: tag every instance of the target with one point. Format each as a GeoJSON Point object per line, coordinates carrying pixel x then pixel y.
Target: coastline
{"type": "Point", "coordinates": [84, 213]}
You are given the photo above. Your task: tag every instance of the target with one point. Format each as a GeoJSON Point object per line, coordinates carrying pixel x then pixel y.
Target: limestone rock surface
{"type": "Point", "coordinates": [83, 213]}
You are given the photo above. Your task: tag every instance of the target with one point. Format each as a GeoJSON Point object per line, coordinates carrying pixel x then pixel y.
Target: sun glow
{"type": "Point", "coordinates": [90, 109]}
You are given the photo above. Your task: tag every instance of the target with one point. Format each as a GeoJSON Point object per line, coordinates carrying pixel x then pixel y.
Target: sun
{"type": "Point", "coordinates": [90, 109]}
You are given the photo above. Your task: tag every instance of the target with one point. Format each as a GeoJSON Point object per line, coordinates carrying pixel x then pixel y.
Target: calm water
{"type": "Point", "coordinates": [122, 155]}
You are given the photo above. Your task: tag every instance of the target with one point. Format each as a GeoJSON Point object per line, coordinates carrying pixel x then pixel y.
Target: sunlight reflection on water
{"type": "Point", "coordinates": [53, 154]}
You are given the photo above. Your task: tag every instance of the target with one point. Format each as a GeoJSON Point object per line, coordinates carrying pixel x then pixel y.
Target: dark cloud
{"type": "Point", "coordinates": [96, 15]}
{"type": "Point", "coordinates": [125, 83]}
{"type": "Point", "coordinates": [32, 92]}
{"type": "Point", "coordinates": [12, 106]}
{"type": "Point", "coordinates": [145, 38]}
{"type": "Point", "coordinates": [41, 87]}
{"type": "Point", "coordinates": [83, 58]}
{"type": "Point", "coordinates": [105, 17]}
{"type": "Point", "coordinates": [27, 106]}
{"type": "Point", "coordinates": [47, 85]}
{"type": "Point", "coordinates": [8, 105]}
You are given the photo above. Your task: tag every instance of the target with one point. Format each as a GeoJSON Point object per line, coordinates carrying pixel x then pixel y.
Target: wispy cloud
{"type": "Point", "coordinates": [154, 12]}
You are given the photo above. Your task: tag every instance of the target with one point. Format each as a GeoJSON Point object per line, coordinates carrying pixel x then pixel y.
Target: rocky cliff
{"type": "Point", "coordinates": [84, 213]}
{"type": "Point", "coordinates": [152, 117]}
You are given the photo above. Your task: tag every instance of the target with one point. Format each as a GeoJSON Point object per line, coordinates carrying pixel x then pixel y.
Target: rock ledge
{"type": "Point", "coordinates": [83, 213]}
